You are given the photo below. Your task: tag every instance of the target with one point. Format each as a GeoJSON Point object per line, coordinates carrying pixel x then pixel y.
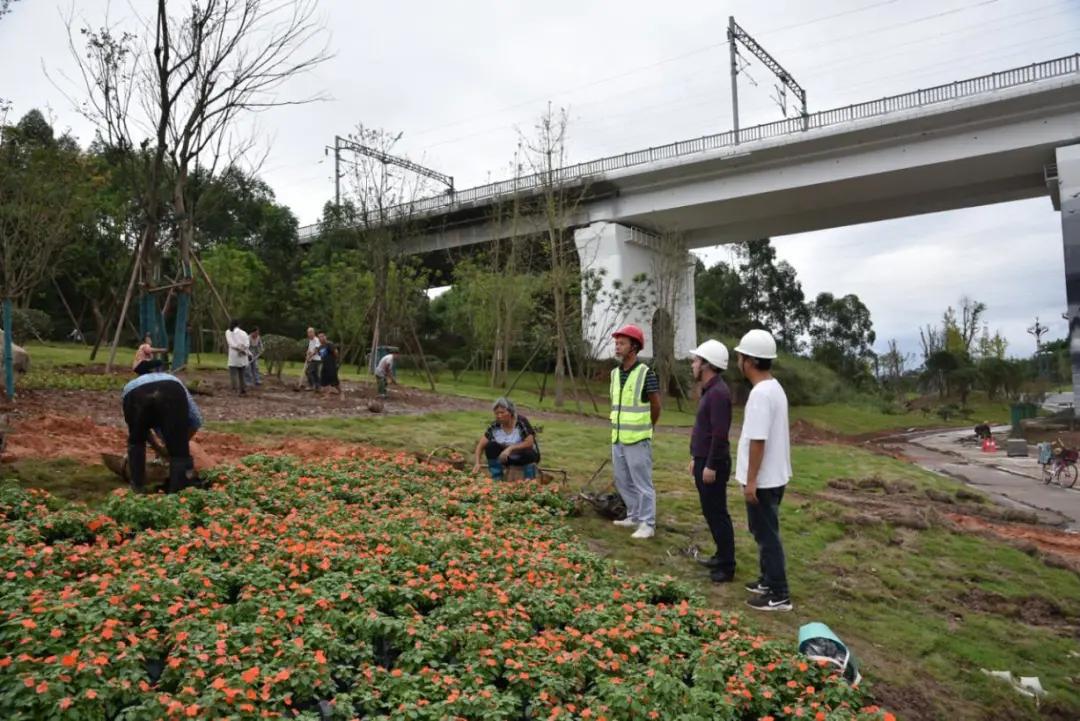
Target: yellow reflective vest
{"type": "Point", "coordinates": [631, 420]}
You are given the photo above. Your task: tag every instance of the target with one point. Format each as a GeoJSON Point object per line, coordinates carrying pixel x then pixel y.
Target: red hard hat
{"type": "Point", "coordinates": [631, 331]}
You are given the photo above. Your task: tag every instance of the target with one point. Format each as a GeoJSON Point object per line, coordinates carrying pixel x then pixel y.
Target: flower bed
{"type": "Point", "coordinates": [377, 588]}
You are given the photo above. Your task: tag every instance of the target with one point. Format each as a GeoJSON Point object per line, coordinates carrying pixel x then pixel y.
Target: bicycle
{"type": "Point", "coordinates": [1061, 468]}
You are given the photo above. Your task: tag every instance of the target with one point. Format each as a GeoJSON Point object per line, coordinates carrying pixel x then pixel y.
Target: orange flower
{"type": "Point", "coordinates": [320, 657]}
{"type": "Point", "coordinates": [250, 675]}
{"type": "Point", "coordinates": [70, 660]}
{"type": "Point", "coordinates": [282, 675]}
{"type": "Point", "coordinates": [91, 694]}
{"type": "Point", "coordinates": [65, 703]}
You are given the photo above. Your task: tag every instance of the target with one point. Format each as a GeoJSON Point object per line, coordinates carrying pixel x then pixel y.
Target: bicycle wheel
{"type": "Point", "coordinates": [1066, 476]}
{"type": "Point", "coordinates": [1048, 472]}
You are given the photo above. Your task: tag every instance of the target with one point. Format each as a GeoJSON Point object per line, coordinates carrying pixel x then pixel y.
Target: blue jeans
{"type": "Point", "coordinates": [763, 518]}
{"type": "Point", "coordinates": [251, 373]}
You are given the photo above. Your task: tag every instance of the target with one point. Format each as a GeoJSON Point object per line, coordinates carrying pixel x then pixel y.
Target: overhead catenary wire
{"type": "Point", "coordinates": [690, 53]}
{"type": "Point", "coordinates": [809, 69]}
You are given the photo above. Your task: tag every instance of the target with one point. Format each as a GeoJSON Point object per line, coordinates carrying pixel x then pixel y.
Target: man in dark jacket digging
{"type": "Point", "coordinates": [161, 402]}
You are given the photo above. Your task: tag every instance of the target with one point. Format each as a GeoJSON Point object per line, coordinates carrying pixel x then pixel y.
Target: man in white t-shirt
{"type": "Point", "coordinates": [237, 342]}
{"type": "Point", "coordinates": [763, 467]}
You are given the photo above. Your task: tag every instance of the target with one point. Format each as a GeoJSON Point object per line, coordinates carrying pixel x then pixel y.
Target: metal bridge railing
{"type": "Point", "coordinates": [1035, 72]}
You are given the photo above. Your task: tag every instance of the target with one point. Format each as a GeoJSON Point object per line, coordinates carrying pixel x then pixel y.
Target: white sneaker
{"type": "Point", "coordinates": [626, 523]}
{"type": "Point", "coordinates": [644, 531]}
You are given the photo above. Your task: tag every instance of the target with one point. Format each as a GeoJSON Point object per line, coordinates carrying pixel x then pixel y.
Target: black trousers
{"type": "Point", "coordinates": [160, 405]}
{"type": "Point", "coordinates": [148, 366]}
{"type": "Point", "coordinates": [517, 458]}
{"type": "Point", "coordinates": [763, 518]}
{"type": "Point", "coordinates": [713, 497]}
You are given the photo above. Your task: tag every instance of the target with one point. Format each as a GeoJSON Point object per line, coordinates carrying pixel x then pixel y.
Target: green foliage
{"type": "Point", "coordinates": [239, 277]}
{"type": "Point", "coordinates": [44, 186]}
{"type": "Point", "coordinates": [30, 324]}
{"type": "Point", "coordinates": [774, 296]}
{"type": "Point", "coordinates": [720, 300]}
{"type": "Point", "coordinates": [842, 336]}
{"type": "Point", "coordinates": [340, 297]}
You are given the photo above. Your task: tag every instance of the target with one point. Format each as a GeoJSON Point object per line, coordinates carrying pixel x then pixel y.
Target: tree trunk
{"type": "Point", "coordinates": [9, 353]}
{"type": "Point", "coordinates": [560, 349]}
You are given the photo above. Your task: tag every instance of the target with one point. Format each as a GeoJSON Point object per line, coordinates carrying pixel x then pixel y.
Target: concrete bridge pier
{"type": "Point", "coordinates": [625, 253]}
{"type": "Point", "coordinates": [1068, 191]}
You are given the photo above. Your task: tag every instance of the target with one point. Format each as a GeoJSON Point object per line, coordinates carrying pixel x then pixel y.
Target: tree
{"type": "Point", "coordinates": [892, 364]}
{"type": "Point", "coordinates": [774, 296]}
{"type": "Point", "coordinates": [545, 154]}
{"type": "Point", "coordinates": [188, 78]}
{"type": "Point", "coordinates": [43, 190]}
{"type": "Point", "coordinates": [939, 366]}
{"type": "Point", "coordinates": [721, 300]}
{"type": "Point", "coordinates": [494, 306]}
{"type": "Point", "coordinates": [375, 216]}
{"type": "Point", "coordinates": [340, 296]}
{"type": "Point", "coordinates": [842, 335]}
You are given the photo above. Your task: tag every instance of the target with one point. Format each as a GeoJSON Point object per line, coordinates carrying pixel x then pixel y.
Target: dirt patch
{"type": "Point", "coordinates": [275, 400]}
{"type": "Point", "coordinates": [1058, 543]}
{"type": "Point", "coordinates": [807, 433]}
{"type": "Point", "coordinates": [1032, 610]}
{"type": "Point", "coordinates": [874, 501]}
{"type": "Point", "coordinates": [56, 436]}
{"type": "Point", "coordinates": [910, 703]}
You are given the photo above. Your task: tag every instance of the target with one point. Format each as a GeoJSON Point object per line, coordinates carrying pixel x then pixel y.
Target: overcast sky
{"type": "Point", "coordinates": [460, 80]}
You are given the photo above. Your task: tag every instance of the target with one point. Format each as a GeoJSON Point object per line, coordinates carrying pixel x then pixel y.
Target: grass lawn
{"type": "Point", "coordinates": [897, 595]}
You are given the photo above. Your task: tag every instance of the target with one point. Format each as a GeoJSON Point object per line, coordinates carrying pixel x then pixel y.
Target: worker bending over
{"type": "Point", "coordinates": [162, 403]}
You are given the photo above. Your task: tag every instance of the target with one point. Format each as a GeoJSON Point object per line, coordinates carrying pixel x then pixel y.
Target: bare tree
{"type": "Point", "coordinates": [544, 153]}
{"type": "Point", "coordinates": [168, 95]}
{"type": "Point", "coordinates": [380, 212]}
{"type": "Point", "coordinates": [671, 263]}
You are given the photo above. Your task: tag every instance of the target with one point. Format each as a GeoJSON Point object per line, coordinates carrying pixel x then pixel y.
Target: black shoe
{"type": "Point", "coordinates": [758, 588]}
{"type": "Point", "coordinates": [709, 561]}
{"type": "Point", "coordinates": [719, 576]}
{"type": "Point", "coordinates": [770, 602]}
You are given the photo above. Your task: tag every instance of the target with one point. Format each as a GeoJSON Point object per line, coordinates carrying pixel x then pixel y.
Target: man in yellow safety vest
{"type": "Point", "coordinates": [635, 409]}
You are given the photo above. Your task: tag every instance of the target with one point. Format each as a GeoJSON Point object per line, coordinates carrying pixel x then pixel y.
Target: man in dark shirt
{"type": "Point", "coordinates": [710, 454]}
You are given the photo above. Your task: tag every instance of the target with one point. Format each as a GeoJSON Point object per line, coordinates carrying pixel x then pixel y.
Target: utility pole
{"type": "Point", "coordinates": [734, 75]}
{"type": "Point", "coordinates": [1039, 330]}
{"type": "Point", "coordinates": [737, 34]}
{"type": "Point", "coordinates": [337, 172]}
{"type": "Point", "coordinates": [341, 143]}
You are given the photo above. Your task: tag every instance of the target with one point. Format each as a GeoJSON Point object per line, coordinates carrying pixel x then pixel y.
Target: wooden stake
{"type": "Point", "coordinates": [523, 369]}
{"type": "Point", "coordinates": [206, 277]}
{"type": "Point", "coordinates": [67, 307]}
{"type": "Point", "coordinates": [135, 268]}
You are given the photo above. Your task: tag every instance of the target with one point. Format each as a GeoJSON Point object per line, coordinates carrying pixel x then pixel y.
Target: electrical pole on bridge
{"type": "Point", "coordinates": [737, 34]}
{"type": "Point", "coordinates": [341, 143]}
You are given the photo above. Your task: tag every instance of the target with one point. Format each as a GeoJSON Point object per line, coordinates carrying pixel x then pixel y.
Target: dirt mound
{"type": "Point", "coordinates": [81, 439]}
{"type": "Point", "coordinates": [56, 436]}
{"type": "Point", "coordinates": [807, 433]}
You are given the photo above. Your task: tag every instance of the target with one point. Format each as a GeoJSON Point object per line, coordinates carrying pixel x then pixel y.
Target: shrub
{"type": "Point", "coordinates": [456, 366]}
{"type": "Point", "coordinates": [30, 324]}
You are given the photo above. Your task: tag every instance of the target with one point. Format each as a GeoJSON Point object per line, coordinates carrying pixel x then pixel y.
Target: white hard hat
{"type": "Point", "coordinates": [712, 352]}
{"type": "Point", "coordinates": [757, 344]}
